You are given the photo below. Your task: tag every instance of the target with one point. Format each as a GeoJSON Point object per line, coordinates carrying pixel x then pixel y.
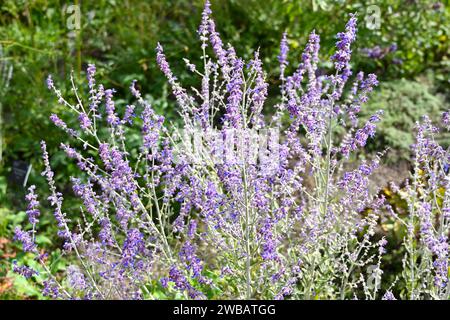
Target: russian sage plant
{"type": "Point", "coordinates": [427, 194]}
{"type": "Point", "coordinates": [232, 204]}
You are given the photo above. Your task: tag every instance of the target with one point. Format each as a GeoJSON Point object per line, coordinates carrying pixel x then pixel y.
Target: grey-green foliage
{"type": "Point", "coordinates": [404, 102]}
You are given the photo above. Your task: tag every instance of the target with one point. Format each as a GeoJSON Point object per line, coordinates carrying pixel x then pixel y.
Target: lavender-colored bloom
{"type": "Point", "coordinates": [33, 204]}
{"type": "Point", "coordinates": [192, 229]}
{"type": "Point", "coordinates": [85, 121]}
{"type": "Point", "coordinates": [361, 135]}
{"type": "Point", "coordinates": [374, 53]}
{"type": "Point", "coordinates": [235, 94]}
{"type": "Point", "coordinates": [437, 245]}
{"type": "Point", "coordinates": [182, 284]}
{"type": "Point", "coordinates": [91, 76]}
{"type": "Point", "coordinates": [25, 271]}
{"type": "Point", "coordinates": [48, 173]}
{"type": "Point", "coordinates": [381, 246]}
{"type": "Point", "coordinates": [204, 25]}
{"type": "Point", "coordinates": [58, 122]}
{"type": "Point", "coordinates": [180, 94]}
{"type": "Point", "coordinates": [76, 278]}
{"type": "Point", "coordinates": [106, 233]}
{"type": "Point", "coordinates": [50, 84]}
{"type": "Point", "coordinates": [366, 87]}
{"type": "Point", "coordinates": [290, 223]}
{"type": "Point", "coordinates": [163, 64]}
{"type": "Point", "coordinates": [285, 291]}
{"type": "Point", "coordinates": [134, 91]}
{"type": "Point", "coordinates": [258, 94]}
{"type": "Point", "coordinates": [111, 116]}
{"type": "Point", "coordinates": [298, 107]}
{"type": "Point", "coordinates": [446, 118]}
{"type": "Point", "coordinates": [393, 47]}
{"type": "Point", "coordinates": [96, 98]}
{"type": "Point", "coordinates": [129, 114]}
{"type": "Point", "coordinates": [217, 44]}
{"type": "Point", "coordinates": [268, 242]}
{"type": "Point", "coordinates": [190, 65]}
{"type": "Point", "coordinates": [71, 152]}
{"type": "Point", "coordinates": [437, 6]}
{"type": "Point", "coordinates": [389, 296]}
{"type": "Point", "coordinates": [282, 58]}
{"type": "Point", "coordinates": [378, 52]}
{"type": "Point", "coordinates": [177, 278]}
{"type": "Point", "coordinates": [62, 125]}
{"type": "Point", "coordinates": [56, 198]}
{"type": "Point", "coordinates": [134, 244]}
{"type": "Point", "coordinates": [189, 258]}
{"type": "Point", "coordinates": [50, 289]}
{"type": "Point", "coordinates": [26, 238]}
{"type": "Point", "coordinates": [342, 56]}
{"type": "Point", "coordinates": [56, 201]}
{"type": "Point", "coordinates": [164, 282]}
{"type": "Point", "coordinates": [151, 126]}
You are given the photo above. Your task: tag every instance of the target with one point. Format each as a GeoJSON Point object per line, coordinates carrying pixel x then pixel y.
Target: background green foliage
{"type": "Point", "coordinates": [120, 37]}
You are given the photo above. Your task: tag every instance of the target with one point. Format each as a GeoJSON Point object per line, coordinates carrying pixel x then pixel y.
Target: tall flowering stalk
{"type": "Point", "coordinates": [232, 204]}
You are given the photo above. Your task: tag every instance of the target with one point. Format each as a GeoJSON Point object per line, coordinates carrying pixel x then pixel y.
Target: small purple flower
{"type": "Point", "coordinates": [57, 121]}
{"type": "Point", "coordinates": [393, 47]}
{"type": "Point", "coordinates": [437, 6]}
{"type": "Point", "coordinates": [235, 94]}
{"type": "Point", "coordinates": [26, 238]}
{"type": "Point", "coordinates": [76, 278]}
{"type": "Point", "coordinates": [388, 296]}
{"type": "Point", "coordinates": [164, 282]}
{"type": "Point", "coordinates": [204, 25]}
{"type": "Point", "coordinates": [85, 121]}
{"type": "Point", "coordinates": [33, 204]}
{"type": "Point", "coordinates": [50, 289]}
{"type": "Point", "coordinates": [342, 56]}
{"type": "Point", "coordinates": [111, 116]}
{"type": "Point", "coordinates": [134, 91]}
{"type": "Point", "coordinates": [62, 125]}
{"type": "Point", "coordinates": [25, 271]}
{"type": "Point", "coordinates": [50, 84]}
{"type": "Point", "coordinates": [134, 244]}
{"type": "Point", "coordinates": [282, 58]}
{"type": "Point", "coordinates": [381, 246]}
{"type": "Point", "coordinates": [91, 75]}
{"type": "Point", "coordinates": [129, 114]}
{"type": "Point", "coordinates": [217, 44]}
{"type": "Point", "coordinates": [162, 62]}
{"type": "Point", "coordinates": [192, 228]}
{"type": "Point", "coordinates": [446, 118]}
{"type": "Point", "coordinates": [151, 126]}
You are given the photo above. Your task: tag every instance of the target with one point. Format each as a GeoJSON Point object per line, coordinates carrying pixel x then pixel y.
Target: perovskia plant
{"type": "Point", "coordinates": [235, 204]}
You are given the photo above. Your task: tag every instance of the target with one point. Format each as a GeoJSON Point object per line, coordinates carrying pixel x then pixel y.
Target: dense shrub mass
{"type": "Point", "coordinates": [233, 203]}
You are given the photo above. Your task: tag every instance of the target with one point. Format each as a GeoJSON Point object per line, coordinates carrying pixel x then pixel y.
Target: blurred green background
{"type": "Point", "coordinates": [409, 51]}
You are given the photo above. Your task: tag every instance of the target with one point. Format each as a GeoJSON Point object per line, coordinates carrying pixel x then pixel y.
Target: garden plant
{"type": "Point", "coordinates": [231, 201]}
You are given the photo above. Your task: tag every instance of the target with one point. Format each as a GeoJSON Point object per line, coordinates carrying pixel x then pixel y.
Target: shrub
{"type": "Point", "coordinates": [233, 204]}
